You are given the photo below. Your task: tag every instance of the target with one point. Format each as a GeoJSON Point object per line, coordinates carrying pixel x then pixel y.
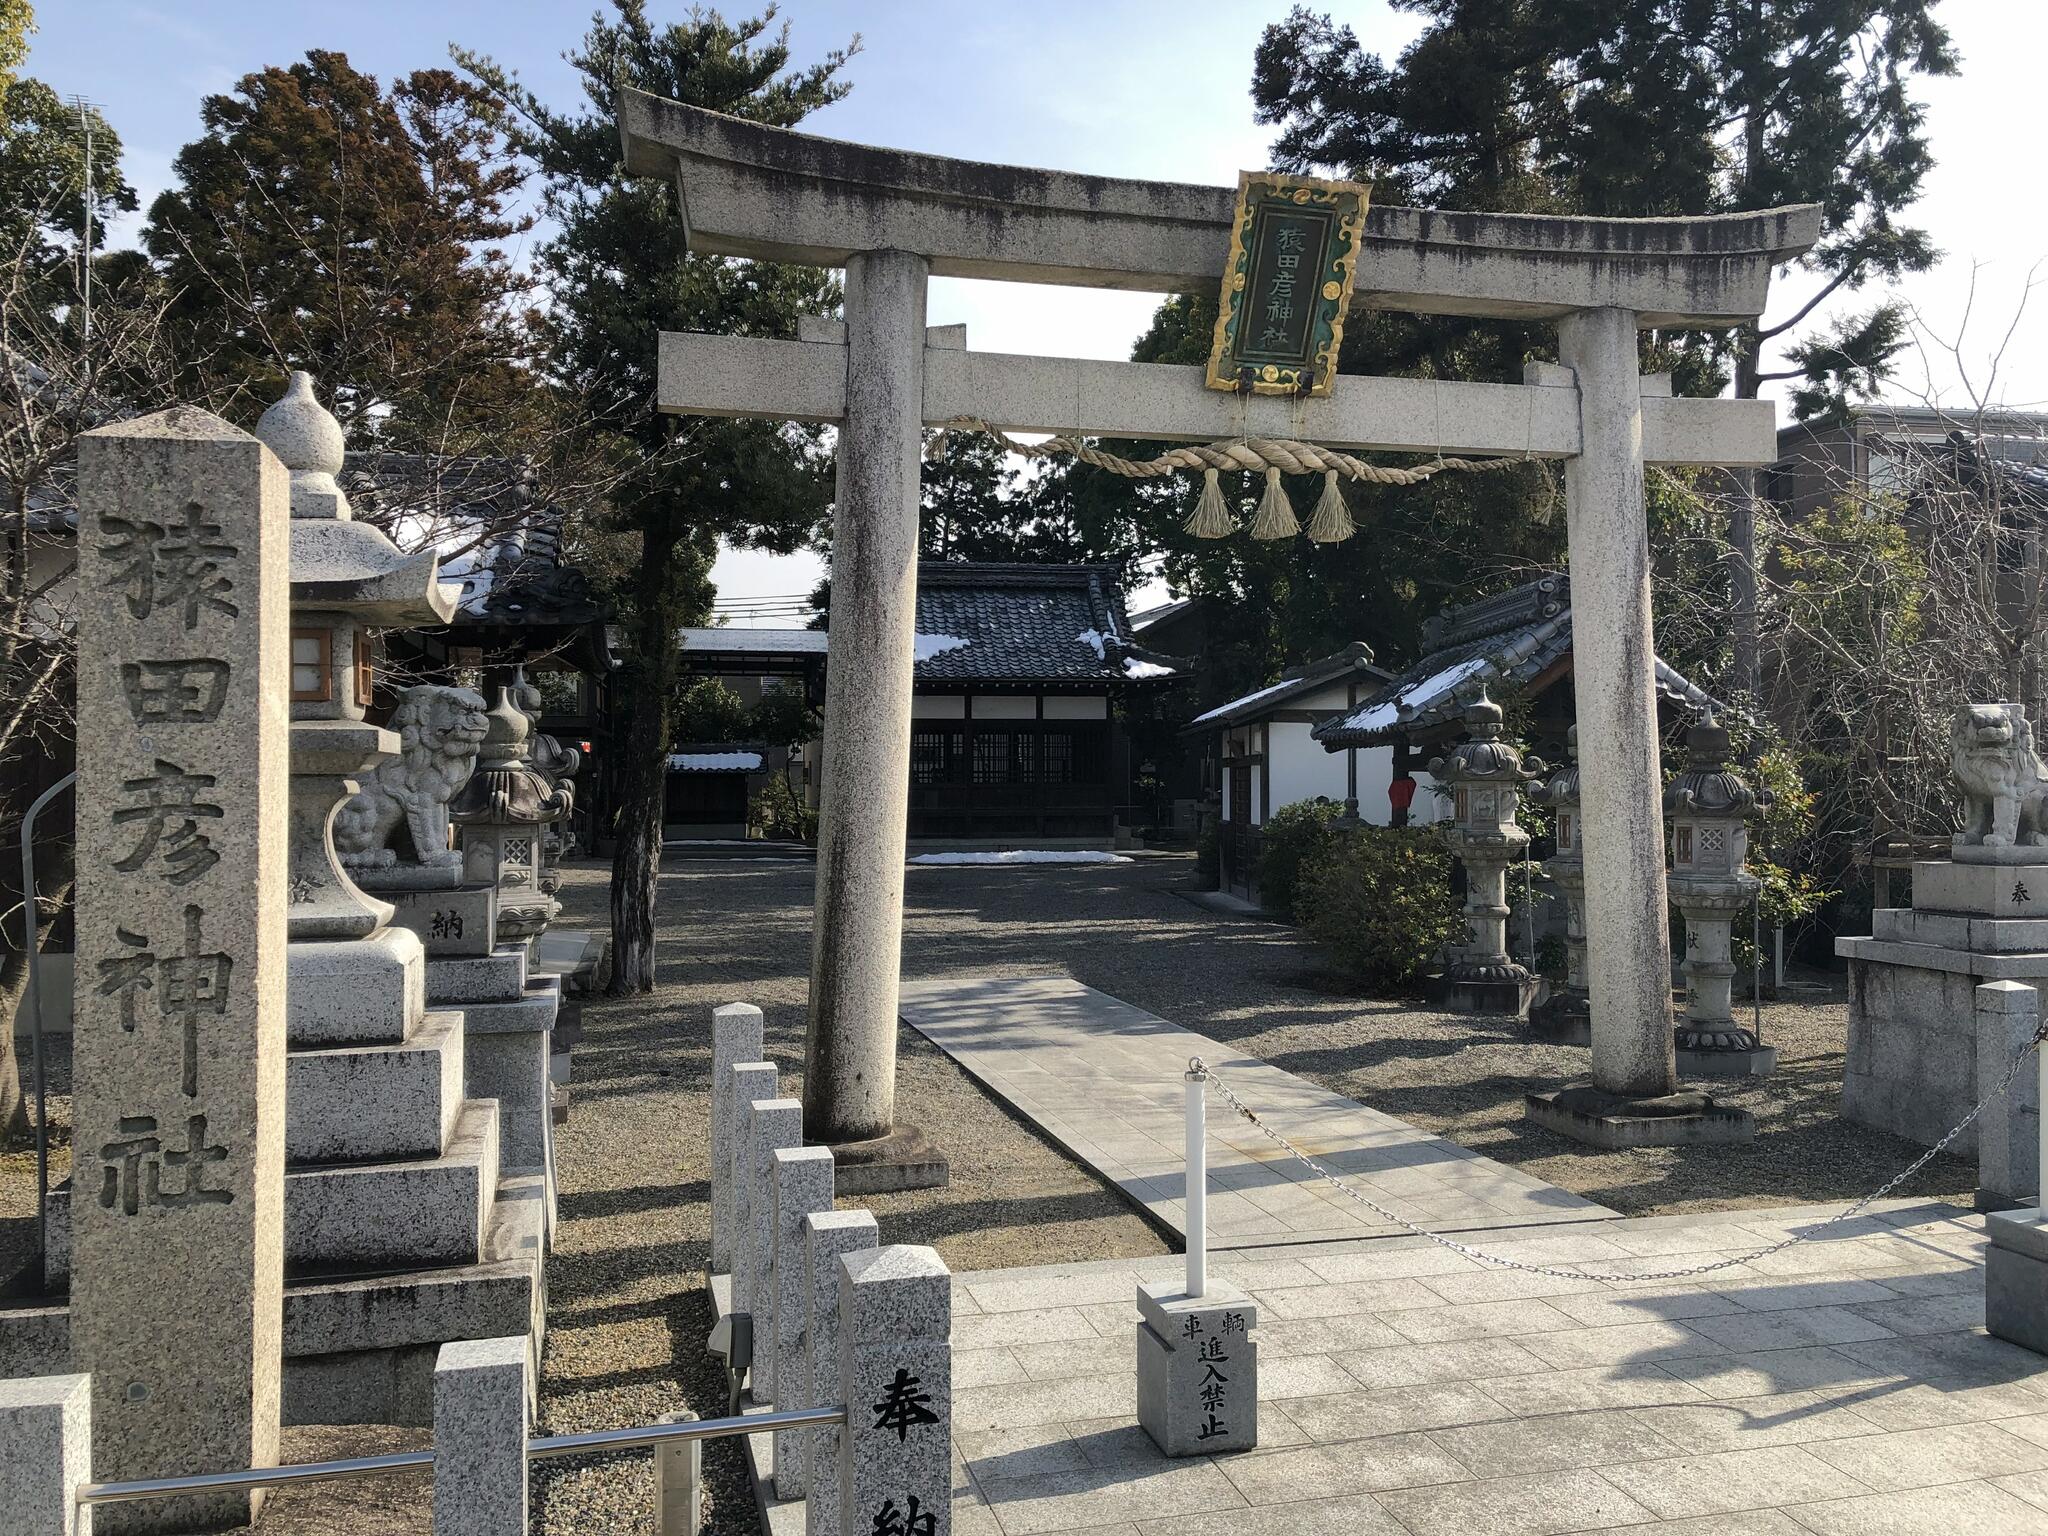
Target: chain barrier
{"type": "Point", "coordinates": [1198, 1068]}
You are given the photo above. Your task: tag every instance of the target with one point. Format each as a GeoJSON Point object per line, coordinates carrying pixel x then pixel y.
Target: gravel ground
{"type": "Point", "coordinates": [627, 1313]}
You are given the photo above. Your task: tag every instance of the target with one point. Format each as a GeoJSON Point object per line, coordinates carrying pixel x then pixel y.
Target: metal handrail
{"type": "Point", "coordinates": [544, 1448]}
{"type": "Point", "coordinates": [32, 1002]}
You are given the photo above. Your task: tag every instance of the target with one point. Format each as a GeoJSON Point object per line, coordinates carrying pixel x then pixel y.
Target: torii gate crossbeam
{"type": "Point", "coordinates": [893, 219]}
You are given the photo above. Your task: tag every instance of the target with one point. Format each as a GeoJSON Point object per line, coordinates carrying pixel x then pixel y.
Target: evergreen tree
{"type": "Point", "coordinates": [323, 222]}
{"type": "Point", "coordinates": [620, 272]}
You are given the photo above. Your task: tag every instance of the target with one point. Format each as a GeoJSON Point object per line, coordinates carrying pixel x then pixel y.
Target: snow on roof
{"type": "Point", "coordinates": [713, 762]}
{"type": "Point", "coordinates": [929, 646]}
{"type": "Point", "coordinates": [1239, 703]}
{"type": "Point", "coordinates": [1133, 667]}
{"type": "Point", "coordinates": [1388, 713]}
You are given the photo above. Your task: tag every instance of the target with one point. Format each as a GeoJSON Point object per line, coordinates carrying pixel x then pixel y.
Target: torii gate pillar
{"type": "Point", "coordinates": [1628, 927]}
{"type": "Point", "coordinates": [857, 937]}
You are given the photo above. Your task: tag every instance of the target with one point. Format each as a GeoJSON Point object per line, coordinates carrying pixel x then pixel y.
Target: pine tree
{"type": "Point", "coordinates": [620, 272]}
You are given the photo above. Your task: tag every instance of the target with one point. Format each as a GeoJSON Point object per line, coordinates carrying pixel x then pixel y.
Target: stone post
{"type": "Point", "coordinates": [803, 1188]}
{"type": "Point", "coordinates": [750, 1080]}
{"type": "Point", "coordinates": [772, 1124]}
{"type": "Point", "coordinates": [177, 1225]}
{"type": "Point", "coordinates": [1563, 1015]}
{"type": "Point", "coordinates": [1628, 937]}
{"type": "Point", "coordinates": [857, 938]}
{"type": "Point", "coordinates": [896, 1379]}
{"type": "Point", "coordinates": [45, 1453]}
{"type": "Point", "coordinates": [480, 1396]}
{"type": "Point", "coordinates": [736, 1036]}
{"type": "Point", "coordinates": [827, 1236]}
{"type": "Point", "coordinates": [2009, 1135]}
{"type": "Point", "coordinates": [678, 1481]}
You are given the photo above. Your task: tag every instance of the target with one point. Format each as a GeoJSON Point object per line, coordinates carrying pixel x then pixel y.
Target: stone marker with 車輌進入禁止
{"type": "Point", "coordinates": [1198, 1369]}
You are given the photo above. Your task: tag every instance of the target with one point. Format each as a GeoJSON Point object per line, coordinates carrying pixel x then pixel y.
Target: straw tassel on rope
{"type": "Point", "coordinates": [1276, 512]}
{"type": "Point", "coordinates": [1330, 523]}
{"type": "Point", "coordinates": [1211, 519]}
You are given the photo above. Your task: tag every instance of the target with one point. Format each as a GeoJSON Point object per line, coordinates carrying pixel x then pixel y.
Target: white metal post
{"type": "Point", "coordinates": [1198, 1179]}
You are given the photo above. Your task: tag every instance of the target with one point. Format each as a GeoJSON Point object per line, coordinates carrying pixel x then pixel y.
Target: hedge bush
{"type": "Point", "coordinates": [1294, 837]}
{"type": "Point", "coordinates": [1379, 900]}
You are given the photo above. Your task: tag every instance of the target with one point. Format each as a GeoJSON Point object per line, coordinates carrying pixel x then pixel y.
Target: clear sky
{"type": "Point", "coordinates": [1146, 88]}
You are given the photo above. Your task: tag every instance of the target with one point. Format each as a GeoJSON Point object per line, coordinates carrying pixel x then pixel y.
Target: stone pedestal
{"type": "Point", "coordinates": [1198, 1369]}
{"type": "Point", "coordinates": [2016, 1278]}
{"type": "Point", "coordinates": [1587, 1113]}
{"type": "Point", "coordinates": [736, 1036]}
{"type": "Point", "coordinates": [1920, 1046]}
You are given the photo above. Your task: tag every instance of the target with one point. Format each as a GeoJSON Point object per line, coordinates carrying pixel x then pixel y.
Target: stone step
{"type": "Point", "coordinates": [535, 1007]}
{"type": "Point", "coordinates": [410, 1215]}
{"type": "Point", "coordinates": [361, 1349]}
{"type": "Point", "coordinates": [355, 991]}
{"type": "Point", "coordinates": [494, 978]}
{"type": "Point", "coordinates": [355, 1103]}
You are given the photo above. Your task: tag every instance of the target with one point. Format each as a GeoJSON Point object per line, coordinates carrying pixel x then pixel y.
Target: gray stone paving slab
{"type": "Point", "coordinates": [1105, 1080]}
{"type": "Point", "coordinates": [1944, 1511]}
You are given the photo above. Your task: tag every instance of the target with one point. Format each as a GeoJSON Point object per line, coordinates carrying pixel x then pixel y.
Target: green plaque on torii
{"type": "Point", "coordinates": [1293, 257]}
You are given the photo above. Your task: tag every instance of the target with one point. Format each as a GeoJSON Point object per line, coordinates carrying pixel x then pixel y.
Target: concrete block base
{"type": "Point", "coordinates": [2016, 1279]}
{"type": "Point", "coordinates": [903, 1159]}
{"type": "Point", "coordinates": [1602, 1120]}
{"type": "Point", "coordinates": [1511, 996]}
{"type": "Point", "coordinates": [355, 991]}
{"type": "Point", "coordinates": [1756, 1061]}
{"type": "Point", "coordinates": [389, 1215]}
{"type": "Point", "coordinates": [1198, 1369]}
{"type": "Point", "coordinates": [353, 1103]}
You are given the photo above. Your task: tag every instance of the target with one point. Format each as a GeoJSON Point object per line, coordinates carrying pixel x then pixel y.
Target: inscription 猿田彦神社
{"type": "Point", "coordinates": [183, 691]}
{"type": "Point", "coordinates": [167, 819]}
{"type": "Point", "coordinates": [911, 1520]}
{"type": "Point", "coordinates": [1294, 250]}
{"type": "Point", "coordinates": [176, 563]}
{"type": "Point", "coordinates": [188, 986]}
{"type": "Point", "coordinates": [903, 1405]}
{"type": "Point", "coordinates": [132, 1167]}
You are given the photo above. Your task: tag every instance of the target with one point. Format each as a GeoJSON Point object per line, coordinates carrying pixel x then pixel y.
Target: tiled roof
{"type": "Point", "coordinates": [1355, 658]}
{"type": "Point", "coordinates": [1020, 623]}
{"type": "Point", "coordinates": [1515, 636]}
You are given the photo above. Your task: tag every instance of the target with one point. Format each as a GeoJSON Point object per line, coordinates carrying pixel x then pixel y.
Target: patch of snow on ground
{"type": "Point", "coordinates": [1025, 856]}
{"type": "Point", "coordinates": [929, 646]}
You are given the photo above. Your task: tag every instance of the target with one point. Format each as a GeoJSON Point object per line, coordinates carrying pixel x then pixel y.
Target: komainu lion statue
{"type": "Point", "coordinates": [439, 731]}
{"type": "Point", "coordinates": [2005, 789]}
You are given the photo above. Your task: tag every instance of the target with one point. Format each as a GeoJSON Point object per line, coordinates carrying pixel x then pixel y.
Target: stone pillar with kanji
{"type": "Point", "coordinates": [176, 1215]}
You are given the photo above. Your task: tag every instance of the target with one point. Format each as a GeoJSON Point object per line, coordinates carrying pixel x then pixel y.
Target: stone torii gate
{"type": "Point", "coordinates": [893, 219]}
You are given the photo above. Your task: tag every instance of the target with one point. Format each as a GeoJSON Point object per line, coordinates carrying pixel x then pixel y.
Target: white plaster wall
{"type": "Point", "coordinates": [1302, 770]}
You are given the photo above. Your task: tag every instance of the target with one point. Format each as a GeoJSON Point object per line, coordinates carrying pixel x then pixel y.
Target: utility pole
{"type": "Point", "coordinates": [85, 114]}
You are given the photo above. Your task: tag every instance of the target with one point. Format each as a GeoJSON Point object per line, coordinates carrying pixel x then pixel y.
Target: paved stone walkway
{"type": "Point", "coordinates": [1841, 1387]}
{"type": "Point", "coordinates": [1105, 1080]}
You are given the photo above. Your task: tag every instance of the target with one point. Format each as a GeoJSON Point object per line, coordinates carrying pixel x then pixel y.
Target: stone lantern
{"type": "Point", "coordinates": [1485, 775]}
{"type": "Point", "coordinates": [1567, 1014]}
{"type": "Point", "coordinates": [1708, 808]}
{"type": "Point", "coordinates": [347, 578]}
{"type": "Point", "coordinates": [504, 812]}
